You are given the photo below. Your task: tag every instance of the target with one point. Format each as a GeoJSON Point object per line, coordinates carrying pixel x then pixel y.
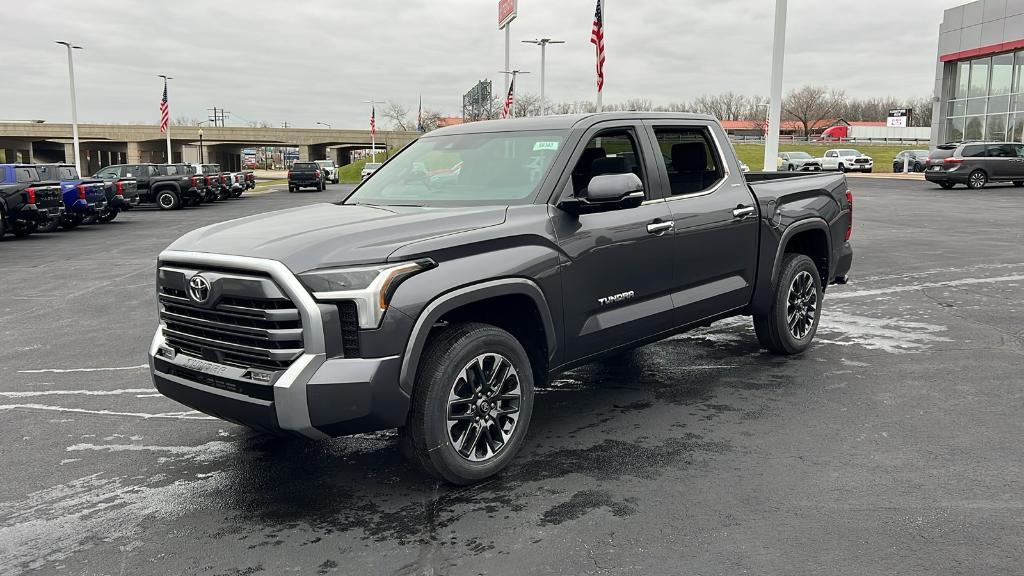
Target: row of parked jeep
{"type": "Point", "coordinates": [45, 197]}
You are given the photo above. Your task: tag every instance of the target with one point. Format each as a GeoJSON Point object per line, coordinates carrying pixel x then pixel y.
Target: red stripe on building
{"type": "Point", "coordinates": [983, 51]}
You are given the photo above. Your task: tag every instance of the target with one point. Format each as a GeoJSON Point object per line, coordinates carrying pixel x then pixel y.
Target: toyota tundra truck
{"type": "Point", "coordinates": [437, 306]}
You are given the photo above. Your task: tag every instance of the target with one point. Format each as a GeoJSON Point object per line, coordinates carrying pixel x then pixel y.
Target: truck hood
{"type": "Point", "coordinates": [329, 235]}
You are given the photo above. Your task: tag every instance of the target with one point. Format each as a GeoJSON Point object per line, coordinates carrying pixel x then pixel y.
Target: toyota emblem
{"type": "Point", "coordinates": [199, 289]}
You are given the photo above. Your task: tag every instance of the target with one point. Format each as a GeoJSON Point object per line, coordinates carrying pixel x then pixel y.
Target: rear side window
{"type": "Point", "coordinates": [68, 173]}
{"type": "Point", "coordinates": [1005, 150]}
{"type": "Point", "coordinates": [973, 151]}
{"type": "Point", "coordinates": [171, 170]}
{"type": "Point", "coordinates": [26, 175]}
{"type": "Point", "coordinates": [152, 170]}
{"type": "Point", "coordinates": [690, 158]}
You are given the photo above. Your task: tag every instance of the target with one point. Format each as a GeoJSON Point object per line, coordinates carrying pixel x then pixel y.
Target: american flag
{"type": "Point", "coordinates": [373, 120]}
{"type": "Point", "coordinates": [509, 98]}
{"type": "Point", "coordinates": [165, 112]}
{"type": "Point", "coordinates": [597, 39]}
{"type": "Point", "coordinates": [767, 122]}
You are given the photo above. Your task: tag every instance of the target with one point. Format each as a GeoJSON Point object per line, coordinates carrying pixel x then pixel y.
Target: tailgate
{"type": "Point", "coordinates": [48, 196]}
{"type": "Point", "coordinates": [304, 176]}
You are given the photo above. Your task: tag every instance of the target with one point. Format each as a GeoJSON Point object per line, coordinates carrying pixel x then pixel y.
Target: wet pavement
{"type": "Point", "coordinates": [893, 446]}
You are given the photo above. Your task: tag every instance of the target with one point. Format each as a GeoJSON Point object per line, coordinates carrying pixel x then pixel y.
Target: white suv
{"type": "Point", "coordinates": [329, 169]}
{"type": "Point", "coordinates": [847, 160]}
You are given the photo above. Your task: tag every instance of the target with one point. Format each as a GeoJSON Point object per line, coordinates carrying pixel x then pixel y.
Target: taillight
{"type": "Point", "coordinates": [81, 191]}
{"type": "Point", "coordinates": [289, 173]}
{"type": "Point", "coordinates": [193, 181]}
{"type": "Point", "coordinates": [849, 204]}
{"type": "Point", "coordinates": [31, 195]}
{"type": "Point", "coordinates": [317, 175]}
{"type": "Point", "coordinates": [120, 188]}
{"type": "Point", "coordinates": [953, 160]}
{"type": "Point", "coordinates": [223, 179]}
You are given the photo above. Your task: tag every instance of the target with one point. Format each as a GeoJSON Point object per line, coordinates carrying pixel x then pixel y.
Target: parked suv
{"type": "Point", "coordinates": [436, 306]}
{"type": "Point", "coordinates": [975, 164]}
{"type": "Point", "coordinates": [799, 162]}
{"type": "Point", "coordinates": [915, 160]}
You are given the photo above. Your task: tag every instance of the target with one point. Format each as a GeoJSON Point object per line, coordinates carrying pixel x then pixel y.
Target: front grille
{"type": "Point", "coordinates": [861, 160]}
{"type": "Point", "coordinates": [251, 389]}
{"type": "Point", "coordinates": [349, 328]}
{"type": "Point", "coordinates": [262, 331]}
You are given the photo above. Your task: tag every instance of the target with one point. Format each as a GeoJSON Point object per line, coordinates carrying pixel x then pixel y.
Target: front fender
{"type": "Point", "coordinates": [449, 301]}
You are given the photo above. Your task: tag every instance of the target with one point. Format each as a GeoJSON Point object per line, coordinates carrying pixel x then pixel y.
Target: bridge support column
{"type": "Point", "coordinates": [342, 156]}
{"type": "Point", "coordinates": [31, 154]}
{"type": "Point", "coordinates": [134, 154]}
{"type": "Point", "coordinates": [304, 153]}
{"type": "Point", "coordinates": [69, 156]}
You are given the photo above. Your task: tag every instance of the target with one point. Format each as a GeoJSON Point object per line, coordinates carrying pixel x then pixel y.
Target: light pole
{"type": "Point", "coordinates": [200, 124]}
{"type": "Point", "coordinates": [325, 124]}
{"type": "Point", "coordinates": [771, 145]}
{"type": "Point", "coordinates": [512, 87]}
{"type": "Point", "coordinates": [74, 104]}
{"type": "Point", "coordinates": [170, 159]}
{"type": "Point", "coordinates": [543, 43]}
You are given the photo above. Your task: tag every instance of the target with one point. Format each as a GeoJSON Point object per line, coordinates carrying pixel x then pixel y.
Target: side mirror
{"type": "Point", "coordinates": [607, 192]}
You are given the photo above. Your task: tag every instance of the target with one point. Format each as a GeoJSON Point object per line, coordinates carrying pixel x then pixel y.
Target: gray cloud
{"type": "Point", "coordinates": [310, 61]}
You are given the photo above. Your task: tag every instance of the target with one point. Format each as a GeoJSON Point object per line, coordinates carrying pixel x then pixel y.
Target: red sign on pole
{"type": "Point", "coordinates": [507, 10]}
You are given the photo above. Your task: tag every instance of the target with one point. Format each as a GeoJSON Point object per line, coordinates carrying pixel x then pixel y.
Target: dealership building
{"type": "Point", "coordinates": [979, 84]}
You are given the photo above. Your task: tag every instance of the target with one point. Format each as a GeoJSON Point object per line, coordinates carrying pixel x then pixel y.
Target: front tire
{"type": "Point", "coordinates": [842, 168]}
{"type": "Point", "coordinates": [977, 180]}
{"type": "Point", "coordinates": [168, 200]}
{"type": "Point", "coordinates": [791, 322]}
{"type": "Point", "coordinates": [471, 404]}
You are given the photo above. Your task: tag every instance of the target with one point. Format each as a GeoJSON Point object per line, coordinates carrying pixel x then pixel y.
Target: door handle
{"type": "Point", "coordinates": [660, 227]}
{"type": "Point", "coordinates": [742, 212]}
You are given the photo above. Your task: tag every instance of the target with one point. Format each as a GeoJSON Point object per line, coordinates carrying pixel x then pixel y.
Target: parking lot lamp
{"type": "Point", "coordinates": [74, 105]}
{"type": "Point", "coordinates": [543, 43]}
{"type": "Point", "coordinates": [325, 124]}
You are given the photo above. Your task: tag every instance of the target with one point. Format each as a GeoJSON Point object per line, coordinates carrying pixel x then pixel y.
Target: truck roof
{"type": "Point", "coordinates": [559, 122]}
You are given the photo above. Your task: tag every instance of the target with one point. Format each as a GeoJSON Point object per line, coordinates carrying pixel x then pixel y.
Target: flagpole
{"type": "Point", "coordinates": [771, 145]}
{"type": "Point", "coordinates": [373, 133]}
{"type": "Point", "coordinates": [600, 93]}
{"type": "Point", "coordinates": [170, 160]}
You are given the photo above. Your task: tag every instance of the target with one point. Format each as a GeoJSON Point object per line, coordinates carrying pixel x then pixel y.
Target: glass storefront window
{"type": "Point", "coordinates": [955, 129]}
{"type": "Point", "coordinates": [1002, 74]}
{"type": "Point", "coordinates": [975, 128]}
{"type": "Point", "coordinates": [998, 104]}
{"type": "Point", "coordinates": [975, 106]}
{"type": "Point", "coordinates": [995, 127]}
{"type": "Point", "coordinates": [957, 108]}
{"type": "Point", "coordinates": [1015, 128]}
{"type": "Point", "coordinates": [961, 78]}
{"type": "Point", "coordinates": [979, 77]}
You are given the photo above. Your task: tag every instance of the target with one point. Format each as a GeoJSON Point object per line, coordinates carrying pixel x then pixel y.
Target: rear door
{"type": "Point", "coordinates": [1000, 161]}
{"type": "Point", "coordinates": [616, 265]}
{"type": "Point", "coordinates": [714, 247]}
{"type": "Point", "coordinates": [830, 161]}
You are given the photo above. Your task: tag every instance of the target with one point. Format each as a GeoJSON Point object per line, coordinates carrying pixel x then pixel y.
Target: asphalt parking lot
{"type": "Point", "coordinates": [892, 447]}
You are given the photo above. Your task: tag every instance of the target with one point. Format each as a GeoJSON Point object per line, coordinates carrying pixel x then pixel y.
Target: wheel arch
{"type": "Point", "coordinates": [498, 302]}
{"type": "Point", "coordinates": [805, 237]}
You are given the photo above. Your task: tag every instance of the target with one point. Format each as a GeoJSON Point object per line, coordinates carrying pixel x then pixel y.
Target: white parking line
{"type": "Point", "coordinates": [191, 415]}
{"type": "Point", "coordinates": [65, 370]}
{"type": "Point", "coordinates": [915, 287]}
{"type": "Point", "coordinates": [76, 392]}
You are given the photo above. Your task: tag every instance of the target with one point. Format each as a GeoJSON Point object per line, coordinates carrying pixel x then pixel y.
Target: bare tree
{"type": "Point", "coordinates": [726, 106]}
{"type": "Point", "coordinates": [184, 121]}
{"type": "Point", "coordinates": [398, 114]}
{"type": "Point", "coordinates": [526, 104]}
{"type": "Point", "coordinates": [812, 104]}
{"type": "Point", "coordinates": [429, 119]}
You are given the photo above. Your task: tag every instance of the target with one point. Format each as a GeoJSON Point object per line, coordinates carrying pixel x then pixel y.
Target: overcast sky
{"type": "Point", "coordinates": [307, 61]}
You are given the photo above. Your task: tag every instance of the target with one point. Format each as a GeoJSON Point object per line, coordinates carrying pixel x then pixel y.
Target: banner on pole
{"type": "Point", "coordinates": [507, 11]}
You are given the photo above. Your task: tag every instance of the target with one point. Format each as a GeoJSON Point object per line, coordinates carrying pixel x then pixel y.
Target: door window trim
{"type": "Point", "coordinates": [651, 125]}
{"type": "Point", "coordinates": [653, 186]}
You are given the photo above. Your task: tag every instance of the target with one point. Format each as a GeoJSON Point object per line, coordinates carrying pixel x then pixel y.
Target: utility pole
{"type": "Point", "coordinates": [511, 74]}
{"type": "Point", "coordinates": [543, 43]}
{"type": "Point", "coordinates": [771, 145]}
{"type": "Point", "coordinates": [74, 105]}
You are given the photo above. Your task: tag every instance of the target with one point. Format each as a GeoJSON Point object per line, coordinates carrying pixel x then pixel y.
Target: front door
{"type": "Point", "coordinates": [616, 267]}
{"type": "Point", "coordinates": [716, 224]}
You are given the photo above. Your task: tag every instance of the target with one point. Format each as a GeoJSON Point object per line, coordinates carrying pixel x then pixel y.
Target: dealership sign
{"type": "Point", "coordinates": [898, 118]}
{"type": "Point", "coordinates": [507, 10]}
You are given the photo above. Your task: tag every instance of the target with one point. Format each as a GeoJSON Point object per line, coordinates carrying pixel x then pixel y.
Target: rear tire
{"type": "Point", "coordinates": [946, 185]}
{"type": "Point", "coordinates": [168, 200]}
{"type": "Point", "coordinates": [792, 320]}
{"type": "Point", "coordinates": [977, 180]}
{"type": "Point", "coordinates": [471, 404]}
{"type": "Point", "coordinates": [51, 225]}
{"type": "Point", "coordinates": [108, 216]}
{"type": "Point", "coordinates": [1018, 183]}
{"type": "Point", "coordinates": [70, 222]}
{"type": "Point", "coordinates": [292, 189]}
{"type": "Point", "coordinates": [22, 229]}
{"type": "Point", "coordinates": [3, 225]}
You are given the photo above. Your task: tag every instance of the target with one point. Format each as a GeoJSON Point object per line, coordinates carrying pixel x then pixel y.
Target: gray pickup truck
{"type": "Point", "coordinates": [480, 262]}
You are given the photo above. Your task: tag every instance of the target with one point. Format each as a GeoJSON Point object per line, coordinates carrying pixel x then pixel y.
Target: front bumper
{"type": "Point", "coordinates": [316, 396]}
{"type": "Point", "coordinates": [860, 167]}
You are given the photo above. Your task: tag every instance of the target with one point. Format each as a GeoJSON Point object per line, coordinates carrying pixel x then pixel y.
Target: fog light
{"type": "Point", "coordinates": [166, 352]}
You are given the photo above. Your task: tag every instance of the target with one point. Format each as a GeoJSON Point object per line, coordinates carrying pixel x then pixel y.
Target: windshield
{"type": "Point", "coordinates": [799, 155]}
{"type": "Point", "coordinates": [849, 152]}
{"type": "Point", "coordinates": [327, 163]}
{"type": "Point", "coordinates": [464, 170]}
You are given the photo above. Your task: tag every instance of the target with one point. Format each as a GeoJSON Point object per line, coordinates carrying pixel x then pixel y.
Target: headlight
{"type": "Point", "coordinates": [370, 287]}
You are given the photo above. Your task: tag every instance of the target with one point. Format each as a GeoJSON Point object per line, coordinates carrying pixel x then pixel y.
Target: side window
{"type": "Point", "coordinates": [26, 175]}
{"type": "Point", "coordinates": [151, 170]}
{"type": "Point", "coordinates": [974, 151]}
{"type": "Point", "coordinates": [690, 158]}
{"type": "Point", "coordinates": [1001, 151]}
{"type": "Point", "coordinates": [609, 152]}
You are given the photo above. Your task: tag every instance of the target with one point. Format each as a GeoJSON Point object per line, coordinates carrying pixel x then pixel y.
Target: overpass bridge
{"type": "Point", "coordinates": [104, 144]}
